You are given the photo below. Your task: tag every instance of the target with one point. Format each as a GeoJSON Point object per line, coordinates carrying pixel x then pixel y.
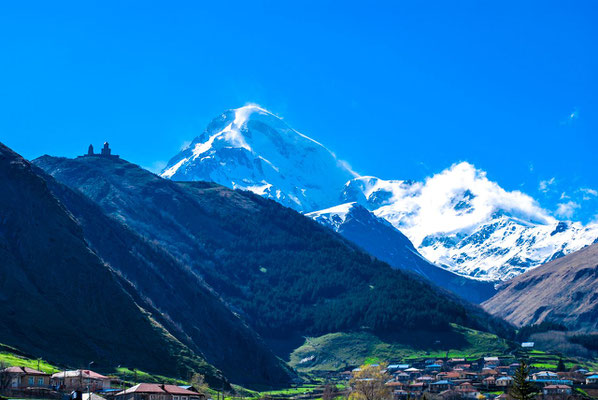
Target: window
{"type": "Point", "coordinates": [40, 381]}
{"type": "Point", "coordinates": [31, 382]}
{"type": "Point", "coordinates": [175, 397]}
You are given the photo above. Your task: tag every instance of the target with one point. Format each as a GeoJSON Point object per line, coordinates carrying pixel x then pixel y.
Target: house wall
{"type": "Point", "coordinates": [22, 381]}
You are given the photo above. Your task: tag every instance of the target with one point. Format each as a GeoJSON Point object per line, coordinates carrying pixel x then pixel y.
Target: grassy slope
{"type": "Point", "coordinates": [9, 357]}
{"type": "Point", "coordinates": [547, 360]}
{"type": "Point", "coordinates": [337, 351]}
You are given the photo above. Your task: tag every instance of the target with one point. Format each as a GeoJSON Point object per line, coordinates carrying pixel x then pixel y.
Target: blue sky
{"type": "Point", "coordinates": [400, 90]}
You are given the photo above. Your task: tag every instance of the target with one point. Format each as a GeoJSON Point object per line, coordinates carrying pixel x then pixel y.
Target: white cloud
{"type": "Point", "coordinates": [344, 164]}
{"type": "Point", "coordinates": [566, 210]}
{"type": "Point", "coordinates": [588, 193]}
{"type": "Point", "coordinates": [430, 207]}
{"type": "Point", "coordinates": [544, 186]}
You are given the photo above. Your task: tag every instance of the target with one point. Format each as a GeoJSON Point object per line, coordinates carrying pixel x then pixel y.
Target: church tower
{"type": "Point", "coordinates": [106, 150]}
{"type": "Point", "coordinates": [90, 150]}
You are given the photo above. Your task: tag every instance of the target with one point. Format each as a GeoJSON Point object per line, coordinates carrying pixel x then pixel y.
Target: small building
{"type": "Point", "coordinates": [394, 385]}
{"type": "Point", "coordinates": [417, 387]}
{"type": "Point", "coordinates": [489, 381]}
{"type": "Point", "coordinates": [466, 389]}
{"type": "Point", "coordinates": [592, 380]}
{"type": "Point", "coordinates": [80, 380]}
{"type": "Point", "coordinates": [544, 375]}
{"type": "Point", "coordinates": [433, 367]}
{"type": "Point", "coordinates": [440, 386]}
{"type": "Point", "coordinates": [400, 394]}
{"type": "Point", "coordinates": [504, 381]}
{"type": "Point", "coordinates": [392, 368]}
{"type": "Point", "coordinates": [552, 390]}
{"type": "Point", "coordinates": [25, 377]}
{"type": "Point", "coordinates": [154, 391]}
{"type": "Point", "coordinates": [403, 377]}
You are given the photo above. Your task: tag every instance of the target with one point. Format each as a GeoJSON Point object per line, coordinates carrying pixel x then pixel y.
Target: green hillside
{"type": "Point", "coordinates": [10, 356]}
{"type": "Point", "coordinates": [338, 351]}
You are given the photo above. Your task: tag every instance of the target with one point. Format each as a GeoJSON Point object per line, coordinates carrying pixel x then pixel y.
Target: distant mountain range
{"type": "Point", "coordinates": [457, 219]}
{"type": "Point", "coordinates": [564, 290]}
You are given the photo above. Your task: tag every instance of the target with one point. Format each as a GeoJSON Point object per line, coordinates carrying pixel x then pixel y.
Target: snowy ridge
{"type": "Point", "coordinates": [460, 219]}
{"type": "Point", "coordinates": [333, 217]}
{"type": "Point", "coordinates": [252, 149]}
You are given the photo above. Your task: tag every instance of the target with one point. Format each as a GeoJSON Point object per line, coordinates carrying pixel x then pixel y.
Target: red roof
{"type": "Point", "coordinates": [158, 388]}
{"type": "Point", "coordinates": [173, 389]}
{"type": "Point", "coordinates": [94, 375]}
{"type": "Point", "coordinates": [24, 370]}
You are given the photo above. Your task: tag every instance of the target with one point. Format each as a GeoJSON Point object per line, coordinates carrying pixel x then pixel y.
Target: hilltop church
{"type": "Point", "coordinates": [105, 152]}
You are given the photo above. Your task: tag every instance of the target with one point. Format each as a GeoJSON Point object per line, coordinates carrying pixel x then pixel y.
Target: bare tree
{"type": "Point", "coordinates": [330, 392]}
{"type": "Point", "coordinates": [369, 383]}
{"type": "Point", "coordinates": [5, 379]}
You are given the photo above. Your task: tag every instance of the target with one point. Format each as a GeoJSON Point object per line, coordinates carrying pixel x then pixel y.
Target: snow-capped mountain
{"type": "Point", "coordinates": [252, 149]}
{"type": "Point", "coordinates": [457, 218]}
{"type": "Point", "coordinates": [462, 220]}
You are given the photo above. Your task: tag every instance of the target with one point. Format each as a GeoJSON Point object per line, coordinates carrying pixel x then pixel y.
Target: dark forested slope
{"type": "Point", "coordinates": [285, 274]}
{"type": "Point", "coordinates": [58, 300]}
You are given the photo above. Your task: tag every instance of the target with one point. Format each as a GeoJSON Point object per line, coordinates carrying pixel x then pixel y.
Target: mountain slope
{"type": "Point", "coordinates": [186, 305]}
{"type": "Point", "coordinates": [286, 275]}
{"type": "Point", "coordinates": [59, 301]}
{"type": "Point", "coordinates": [250, 148]}
{"type": "Point", "coordinates": [564, 290]}
{"type": "Point", "coordinates": [464, 221]}
{"type": "Point", "coordinates": [379, 238]}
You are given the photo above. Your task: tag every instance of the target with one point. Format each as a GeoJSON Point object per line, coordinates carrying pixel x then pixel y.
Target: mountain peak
{"type": "Point", "coordinates": [250, 148]}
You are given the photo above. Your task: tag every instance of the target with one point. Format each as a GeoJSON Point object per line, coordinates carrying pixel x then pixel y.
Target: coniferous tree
{"type": "Point", "coordinates": [561, 366]}
{"type": "Point", "coordinates": [522, 389]}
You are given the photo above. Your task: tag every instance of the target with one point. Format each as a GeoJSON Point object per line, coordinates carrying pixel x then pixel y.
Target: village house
{"type": "Point", "coordinates": [466, 389]}
{"type": "Point", "coordinates": [25, 377]}
{"type": "Point", "coordinates": [440, 386]}
{"type": "Point", "coordinates": [504, 381]}
{"type": "Point", "coordinates": [553, 390]}
{"type": "Point", "coordinates": [544, 375]}
{"type": "Point", "coordinates": [592, 380]}
{"type": "Point", "coordinates": [154, 391]}
{"type": "Point", "coordinates": [489, 381]}
{"type": "Point", "coordinates": [402, 377]}
{"type": "Point", "coordinates": [80, 380]}
{"type": "Point", "coordinates": [417, 388]}
{"type": "Point", "coordinates": [400, 394]}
